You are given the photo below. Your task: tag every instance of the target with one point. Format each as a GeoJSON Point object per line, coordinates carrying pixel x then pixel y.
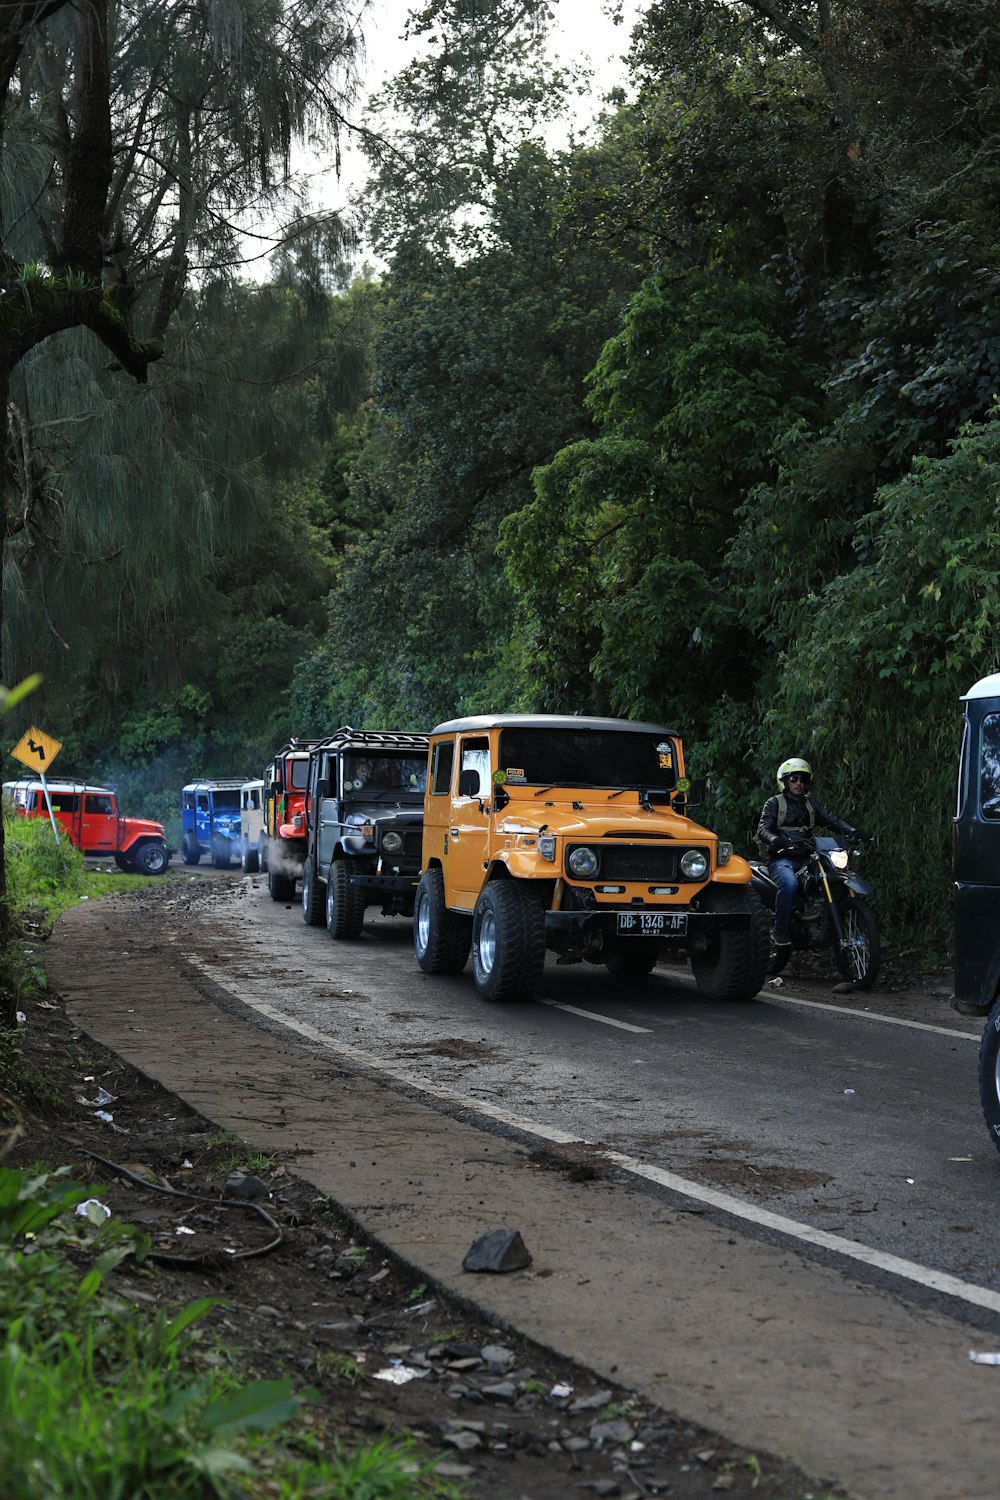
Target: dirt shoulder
{"type": "Point", "coordinates": [656, 1318]}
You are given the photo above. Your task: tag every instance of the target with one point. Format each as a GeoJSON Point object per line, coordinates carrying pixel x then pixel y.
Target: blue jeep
{"type": "Point", "coordinates": [210, 820]}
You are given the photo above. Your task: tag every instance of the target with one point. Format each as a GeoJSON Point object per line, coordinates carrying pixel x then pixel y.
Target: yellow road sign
{"type": "Point", "coordinates": [36, 750]}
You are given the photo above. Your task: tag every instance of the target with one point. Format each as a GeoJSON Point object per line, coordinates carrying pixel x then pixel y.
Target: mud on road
{"type": "Point", "coordinates": [696, 1362]}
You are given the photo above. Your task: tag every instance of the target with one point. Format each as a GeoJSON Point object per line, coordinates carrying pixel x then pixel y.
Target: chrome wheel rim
{"type": "Point", "coordinates": [487, 942]}
{"type": "Point", "coordinates": [423, 922]}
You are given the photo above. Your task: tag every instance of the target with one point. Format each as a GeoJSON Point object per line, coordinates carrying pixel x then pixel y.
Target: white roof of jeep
{"type": "Point", "coordinates": [986, 687]}
{"type": "Point", "coordinates": [33, 784]}
{"type": "Point", "coordinates": [223, 784]}
{"type": "Point", "coordinates": [548, 721]}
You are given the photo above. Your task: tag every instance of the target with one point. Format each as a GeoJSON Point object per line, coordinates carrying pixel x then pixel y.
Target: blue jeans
{"type": "Point", "coordinates": [782, 872]}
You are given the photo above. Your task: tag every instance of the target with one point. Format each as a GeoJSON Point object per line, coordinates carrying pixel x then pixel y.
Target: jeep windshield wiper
{"type": "Point", "coordinates": [555, 785]}
{"type": "Point", "coordinates": [641, 786]}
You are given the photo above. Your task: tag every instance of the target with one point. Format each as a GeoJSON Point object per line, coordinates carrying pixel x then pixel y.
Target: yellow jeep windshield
{"type": "Point", "coordinates": [618, 759]}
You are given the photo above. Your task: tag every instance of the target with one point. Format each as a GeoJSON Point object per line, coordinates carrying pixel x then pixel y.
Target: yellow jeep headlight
{"type": "Point", "coordinates": [583, 862]}
{"type": "Point", "coordinates": [694, 865]}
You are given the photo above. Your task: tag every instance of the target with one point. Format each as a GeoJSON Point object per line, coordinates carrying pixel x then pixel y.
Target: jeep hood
{"type": "Point", "coordinates": [136, 826]}
{"type": "Point", "coordinates": [598, 817]}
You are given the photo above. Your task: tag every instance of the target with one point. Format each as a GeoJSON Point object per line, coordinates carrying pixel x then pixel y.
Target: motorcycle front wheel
{"type": "Point", "coordinates": [859, 952]}
{"type": "Point", "coordinates": [989, 1074]}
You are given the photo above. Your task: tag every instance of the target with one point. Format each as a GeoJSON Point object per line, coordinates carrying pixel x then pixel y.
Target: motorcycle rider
{"type": "Point", "coordinates": [785, 831]}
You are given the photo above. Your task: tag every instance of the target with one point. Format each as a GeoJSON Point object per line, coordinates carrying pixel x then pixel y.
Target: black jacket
{"type": "Point", "coordinates": [796, 828]}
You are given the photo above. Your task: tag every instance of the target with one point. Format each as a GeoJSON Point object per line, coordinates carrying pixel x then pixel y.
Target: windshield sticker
{"type": "Point", "coordinates": [512, 773]}
{"type": "Point", "coordinates": [665, 754]}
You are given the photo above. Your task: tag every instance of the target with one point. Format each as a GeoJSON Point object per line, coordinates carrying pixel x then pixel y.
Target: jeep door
{"type": "Point", "coordinates": [100, 822]}
{"type": "Point", "coordinates": [469, 832]}
{"type": "Point", "coordinates": [203, 819]}
{"type": "Point", "coordinates": [66, 811]}
{"type": "Point", "coordinates": [325, 811]}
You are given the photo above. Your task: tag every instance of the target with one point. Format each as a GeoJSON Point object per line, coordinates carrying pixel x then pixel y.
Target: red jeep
{"type": "Point", "coordinates": [90, 818]}
{"type": "Point", "coordinates": [286, 837]}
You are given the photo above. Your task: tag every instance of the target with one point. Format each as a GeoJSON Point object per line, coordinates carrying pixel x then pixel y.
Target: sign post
{"type": "Point", "coordinates": [37, 751]}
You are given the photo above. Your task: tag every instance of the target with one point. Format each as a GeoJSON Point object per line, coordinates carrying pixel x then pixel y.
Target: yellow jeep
{"type": "Point", "coordinates": [544, 831]}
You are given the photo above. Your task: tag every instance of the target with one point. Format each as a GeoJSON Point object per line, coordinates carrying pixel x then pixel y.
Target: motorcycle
{"type": "Point", "coordinates": [828, 910]}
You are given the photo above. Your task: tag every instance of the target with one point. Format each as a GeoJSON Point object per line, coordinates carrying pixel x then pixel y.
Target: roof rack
{"type": "Point", "coordinates": [373, 739]}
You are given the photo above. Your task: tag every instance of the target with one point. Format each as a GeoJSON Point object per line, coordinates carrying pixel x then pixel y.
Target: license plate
{"type": "Point", "coordinates": [651, 923]}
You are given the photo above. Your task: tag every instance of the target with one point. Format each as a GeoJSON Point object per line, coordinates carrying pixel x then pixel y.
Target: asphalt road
{"type": "Point", "coordinates": [852, 1123]}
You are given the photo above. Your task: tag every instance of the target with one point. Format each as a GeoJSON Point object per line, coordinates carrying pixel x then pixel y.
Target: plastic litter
{"type": "Point", "coordinates": [419, 1307]}
{"type": "Point", "coordinates": [100, 1099]}
{"type": "Point", "coordinates": [848, 1091]}
{"type": "Point", "coordinates": [93, 1210]}
{"type": "Point", "coordinates": [183, 1229]}
{"type": "Point", "coordinates": [984, 1359]}
{"type": "Point", "coordinates": [775, 984]}
{"type": "Point", "coordinates": [558, 1392]}
{"type": "Point", "coordinates": [398, 1374]}
{"type": "Point", "coordinates": [102, 1114]}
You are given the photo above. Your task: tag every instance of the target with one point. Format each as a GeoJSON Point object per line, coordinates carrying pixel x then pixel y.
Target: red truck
{"type": "Point", "coordinates": [90, 818]}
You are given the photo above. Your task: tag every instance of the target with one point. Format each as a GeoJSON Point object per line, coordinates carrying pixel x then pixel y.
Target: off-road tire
{"type": "Point", "coordinates": [151, 858]}
{"type": "Point", "coordinates": [989, 1073]}
{"type": "Point", "coordinates": [248, 858]}
{"type": "Point", "coordinates": [735, 965]}
{"type": "Point", "coordinates": [633, 959]}
{"type": "Point", "coordinates": [220, 855]}
{"type": "Point", "coordinates": [345, 903]}
{"type": "Point", "coordinates": [859, 964]}
{"type": "Point", "coordinates": [262, 852]}
{"type": "Point", "coordinates": [508, 941]}
{"type": "Point", "coordinates": [313, 898]}
{"type": "Point", "coordinates": [280, 887]}
{"type": "Point", "coordinates": [441, 938]}
{"type": "Point", "coordinates": [190, 853]}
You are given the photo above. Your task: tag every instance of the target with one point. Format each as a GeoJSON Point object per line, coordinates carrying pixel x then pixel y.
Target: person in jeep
{"type": "Point", "coordinates": [788, 821]}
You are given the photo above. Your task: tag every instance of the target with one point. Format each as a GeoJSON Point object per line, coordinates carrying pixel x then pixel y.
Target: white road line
{"type": "Point", "coordinates": [590, 1015]}
{"type": "Point", "coordinates": [872, 1015]}
{"type": "Point", "coordinates": [908, 1270]}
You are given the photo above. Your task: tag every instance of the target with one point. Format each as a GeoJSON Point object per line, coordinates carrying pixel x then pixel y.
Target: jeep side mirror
{"type": "Point", "coordinates": [696, 792]}
{"type": "Point", "coordinates": [468, 783]}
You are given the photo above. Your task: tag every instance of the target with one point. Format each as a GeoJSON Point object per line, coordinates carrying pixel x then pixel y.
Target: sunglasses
{"type": "Point", "coordinates": [796, 778]}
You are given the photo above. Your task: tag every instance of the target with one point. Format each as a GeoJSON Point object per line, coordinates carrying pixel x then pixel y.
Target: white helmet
{"type": "Point", "coordinates": [789, 767]}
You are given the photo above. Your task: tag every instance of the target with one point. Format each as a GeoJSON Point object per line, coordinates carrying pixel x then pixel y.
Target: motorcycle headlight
{"type": "Point", "coordinates": [392, 843]}
{"type": "Point", "coordinates": [547, 845]}
{"type": "Point", "coordinates": [694, 865]}
{"type": "Point", "coordinates": [583, 862]}
{"type": "Point", "coordinates": [839, 858]}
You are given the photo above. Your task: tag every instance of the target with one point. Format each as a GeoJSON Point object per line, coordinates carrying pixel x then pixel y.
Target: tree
{"type": "Point", "coordinates": [138, 135]}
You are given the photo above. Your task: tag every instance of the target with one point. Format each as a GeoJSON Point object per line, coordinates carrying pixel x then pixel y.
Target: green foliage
{"type": "Point", "coordinates": [41, 872]}
{"type": "Point", "coordinates": [618, 565]}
